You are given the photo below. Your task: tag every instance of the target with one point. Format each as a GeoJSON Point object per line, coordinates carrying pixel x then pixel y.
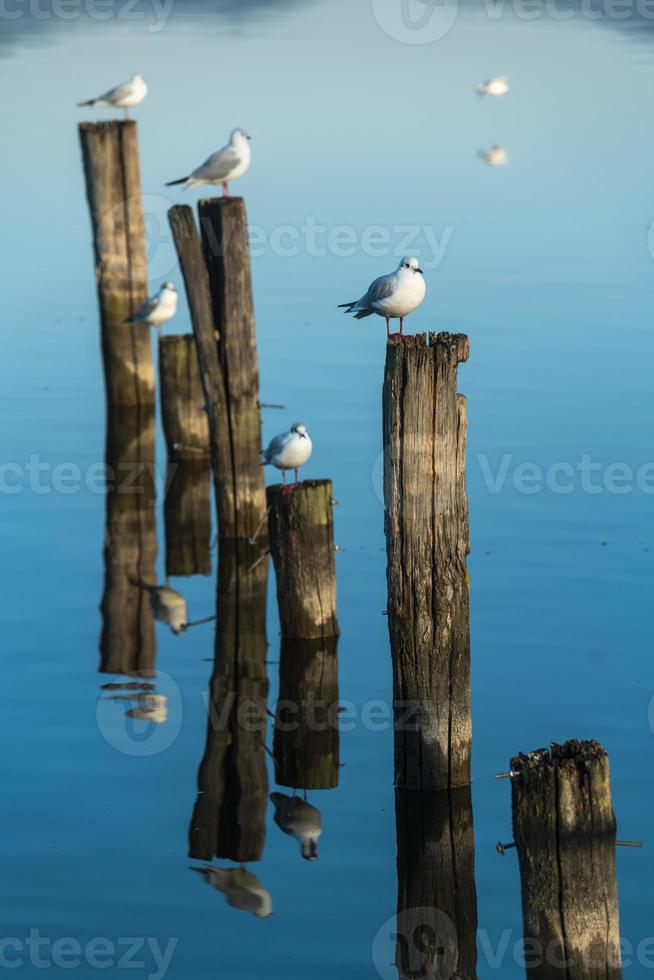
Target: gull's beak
{"type": "Point", "coordinates": [420, 271]}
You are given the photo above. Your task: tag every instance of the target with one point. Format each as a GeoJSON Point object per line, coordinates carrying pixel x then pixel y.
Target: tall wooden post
{"type": "Point", "coordinates": [187, 516]}
{"type": "Point", "coordinates": [183, 410]}
{"type": "Point", "coordinates": [113, 188]}
{"type": "Point", "coordinates": [436, 891]}
{"type": "Point", "coordinates": [565, 830]}
{"type": "Point", "coordinates": [301, 527]}
{"type": "Point", "coordinates": [427, 542]}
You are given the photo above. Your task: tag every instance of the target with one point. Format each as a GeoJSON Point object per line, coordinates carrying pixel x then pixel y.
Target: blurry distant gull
{"type": "Point", "coordinates": [289, 451]}
{"type": "Point", "coordinates": [221, 167]}
{"type": "Point", "coordinates": [392, 296]}
{"type": "Point", "coordinates": [122, 96]}
{"type": "Point", "coordinates": [241, 888]}
{"type": "Point", "coordinates": [298, 819]}
{"type": "Point", "coordinates": [495, 157]}
{"type": "Point", "coordinates": [494, 86]}
{"type": "Point", "coordinates": [157, 310]}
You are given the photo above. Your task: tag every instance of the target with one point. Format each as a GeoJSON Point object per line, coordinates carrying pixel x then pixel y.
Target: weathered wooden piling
{"type": "Point", "coordinates": [229, 815]}
{"type": "Point", "coordinates": [436, 892]}
{"type": "Point", "coordinates": [565, 831]}
{"type": "Point", "coordinates": [187, 516]}
{"type": "Point", "coordinates": [301, 529]}
{"type": "Point", "coordinates": [183, 409]}
{"type": "Point", "coordinates": [427, 542]}
{"type": "Point", "coordinates": [306, 736]}
{"type": "Point", "coordinates": [128, 641]}
{"type": "Point", "coordinates": [219, 297]}
{"type": "Point", "coordinates": [113, 188]}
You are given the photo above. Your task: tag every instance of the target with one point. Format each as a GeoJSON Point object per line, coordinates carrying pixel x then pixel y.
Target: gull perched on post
{"type": "Point", "coordinates": [123, 96]}
{"type": "Point", "coordinates": [392, 296]}
{"type": "Point", "coordinates": [289, 451]}
{"type": "Point", "coordinates": [298, 819]}
{"type": "Point", "coordinates": [157, 310]}
{"type": "Point", "coordinates": [494, 86]}
{"type": "Point", "coordinates": [495, 157]}
{"type": "Point", "coordinates": [241, 888]}
{"type": "Point", "coordinates": [221, 167]}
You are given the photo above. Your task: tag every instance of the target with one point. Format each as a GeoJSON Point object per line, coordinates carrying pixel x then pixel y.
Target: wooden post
{"type": "Point", "coordinates": [436, 892]}
{"type": "Point", "coordinates": [128, 641]}
{"type": "Point", "coordinates": [187, 515]}
{"type": "Point", "coordinates": [113, 188]}
{"type": "Point", "coordinates": [183, 410]}
{"type": "Point", "coordinates": [229, 816]}
{"type": "Point", "coordinates": [427, 543]}
{"type": "Point", "coordinates": [301, 528]}
{"type": "Point", "coordinates": [306, 740]}
{"type": "Point", "coordinates": [565, 830]}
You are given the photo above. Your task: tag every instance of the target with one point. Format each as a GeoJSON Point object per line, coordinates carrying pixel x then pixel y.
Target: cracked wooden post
{"type": "Point", "coordinates": [565, 830]}
{"type": "Point", "coordinates": [301, 528]}
{"type": "Point", "coordinates": [113, 189]}
{"type": "Point", "coordinates": [436, 892]}
{"type": "Point", "coordinates": [306, 735]}
{"type": "Point", "coordinates": [183, 411]}
{"type": "Point", "coordinates": [427, 542]}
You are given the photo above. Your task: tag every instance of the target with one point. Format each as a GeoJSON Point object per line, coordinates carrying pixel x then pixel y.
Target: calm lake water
{"type": "Point", "coordinates": [545, 263]}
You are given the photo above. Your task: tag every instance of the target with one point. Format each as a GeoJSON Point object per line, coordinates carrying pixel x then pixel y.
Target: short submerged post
{"type": "Point", "coordinates": [183, 411]}
{"type": "Point", "coordinates": [301, 527]}
{"type": "Point", "coordinates": [427, 543]}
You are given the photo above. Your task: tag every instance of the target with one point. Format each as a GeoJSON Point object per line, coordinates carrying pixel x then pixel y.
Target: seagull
{"type": "Point", "coordinates": [289, 451]}
{"type": "Point", "coordinates": [150, 707]}
{"type": "Point", "coordinates": [122, 96]}
{"type": "Point", "coordinates": [241, 888]}
{"type": "Point", "coordinates": [168, 606]}
{"type": "Point", "coordinates": [494, 86]}
{"type": "Point", "coordinates": [392, 296]}
{"type": "Point", "coordinates": [298, 819]}
{"type": "Point", "coordinates": [221, 167]}
{"type": "Point", "coordinates": [158, 309]}
{"type": "Point", "coordinates": [495, 157]}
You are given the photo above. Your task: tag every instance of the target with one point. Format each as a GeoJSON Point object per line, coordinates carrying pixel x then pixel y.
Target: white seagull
{"type": "Point", "coordinates": [123, 96]}
{"type": "Point", "coordinates": [495, 157]}
{"type": "Point", "coordinates": [241, 888]}
{"type": "Point", "coordinates": [221, 167]}
{"type": "Point", "coordinates": [494, 86]}
{"type": "Point", "coordinates": [168, 606]}
{"type": "Point", "coordinates": [392, 296]}
{"type": "Point", "coordinates": [289, 451]}
{"type": "Point", "coordinates": [158, 309]}
{"type": "Point", "coordinates": [298, 819]}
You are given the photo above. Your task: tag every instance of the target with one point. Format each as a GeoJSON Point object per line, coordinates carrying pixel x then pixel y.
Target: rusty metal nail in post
{"type": "Point", "coordinates": [501, 848]}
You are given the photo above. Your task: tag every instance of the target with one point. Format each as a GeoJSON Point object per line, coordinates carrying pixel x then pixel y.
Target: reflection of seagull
{"type": "Point", "coordinates": [290, 450]}
{"type": "Point", "coordinates": [158, 309]}
{"type": "Point", "coordinates": [392, 296]}
{"type": "Point", "coordinates": [494, 86]}
{"type": "Point", "coordinates": [298, 819]}
{"type": "Point", "coordinates": [150, 707]}
{"type": "Point", "coordinates": [241, 888]}
{"type": "Point", "coordinates": [495, 157]}
{"type": "Point", "coordinates": [221, 167]}
{"type": "Point", "coordinates": [168, 606]}
{"type": "Point", "coordinates": [122, 96]}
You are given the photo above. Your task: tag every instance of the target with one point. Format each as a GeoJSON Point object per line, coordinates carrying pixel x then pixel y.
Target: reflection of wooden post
{"type": "Point", "coordinates": [183, 411]}
{"type": "Point", "coordinates": [128, 643]}
{"type": "Point", "coordinates": [187, 514]}
{"type": "Point", "coordinates": [436, 892]}
{"type": "Point", "coordinates": [113, 188]}
{"type": "Point", "coordinates": [565, 831]}
{"type": "Point", "coordinates": [306, 742]}
{"type": "Point", "coordinates": [301, 527]}
{"type": "Point", "coordinates": [427, 543]}
{"type": "Point", "coordinates": [229, 816]}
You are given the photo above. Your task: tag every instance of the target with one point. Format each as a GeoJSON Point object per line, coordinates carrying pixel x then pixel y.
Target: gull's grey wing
{"type": "Point", "coordinates": [146, 307]}
{"type": "Point", "coordinates": [117, 93]}
{"type": "Point", "coordinates": [219, 165]}
{"type": "Point", "coordinates": [380, 289]}
{"type": "Point", "coordinates": [274, 446]}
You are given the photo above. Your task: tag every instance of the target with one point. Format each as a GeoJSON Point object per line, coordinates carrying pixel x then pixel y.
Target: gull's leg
{"type": "Point", "coordinates": [284, 477]}
{"type": "Point", "coordinates": [225, 189]}
{"type": "Point", "coordinates": [388, 327]}
{"type": "Point", "coordinates": [126, 110]}
{"type": "Point", "coordinates": [296, 479]}
{"type": "Point", "coordinates": [401, 324]}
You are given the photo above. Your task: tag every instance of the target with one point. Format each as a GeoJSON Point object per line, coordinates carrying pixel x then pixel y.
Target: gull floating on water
{"type": "Point", "coordinates": [298, 819]}
{"type": "Point", "coordinates": [392, 296]}
{"type": "Point", "coordinates": [221, 167]}
{"type": "Point", "coordinates": [123, 96]}
{"type": "Point", "coordinates": [241, 888]}
{"type": "Point", "coordinates": [495, 157]}
{"type": "Point", "coordinates": [158, 309]}
{"type": "Point", "coordinates": [290, 450]}
{"type": "Point", "coordinates": [494, 86]}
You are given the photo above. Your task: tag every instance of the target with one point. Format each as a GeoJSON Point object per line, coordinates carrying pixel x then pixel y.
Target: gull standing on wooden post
{"type": "Point", "coordinates": [157, 310]}
{"type": "Point", "coordinates": [393, 296]}
{"type": "Point", "coordinates": [123, 96]}
{"type": "Point", "coordinates": [289, 451]}
{"type": "Point", "coordinates": [221, 167]}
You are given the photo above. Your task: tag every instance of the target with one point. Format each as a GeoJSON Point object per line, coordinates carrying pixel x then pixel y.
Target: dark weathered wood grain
{"type": "Point", "coordinates": [565, 831]}
{"type": "Point", "coordinates": [301, 527]}
{"type": "Point", "coordinates": [427, 540]}
{"type": "Point", "coordinates": [183, 409]}
{"type": "Point", "coordinates": [187, 515]}
{"type": "Point", "coordinates": [113, 188]}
